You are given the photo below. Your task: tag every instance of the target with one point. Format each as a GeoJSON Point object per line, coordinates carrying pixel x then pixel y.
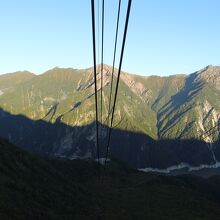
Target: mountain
{"type": "Point", "coordinates": [10, 80]}
{"type": "Point", "coordinates": [33, 187]}
{"type": "Point", "coordinates": [160, 122]}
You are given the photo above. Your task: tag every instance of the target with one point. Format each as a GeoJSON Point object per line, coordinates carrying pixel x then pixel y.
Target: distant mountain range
{"type": "Point", "coordinates": [159, 122]}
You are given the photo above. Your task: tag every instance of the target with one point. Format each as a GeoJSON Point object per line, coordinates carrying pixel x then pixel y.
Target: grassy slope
{"type": "Point", "coordinates": [37, 188]}
{"type": "Point", "coordinates": [180, 118]}
{"type": "Point", "coordinates": [54, 94]}
{"type": "Point", "coordinates": [161, 107]}
{"type": "Point", "coordinates": [10, 80]}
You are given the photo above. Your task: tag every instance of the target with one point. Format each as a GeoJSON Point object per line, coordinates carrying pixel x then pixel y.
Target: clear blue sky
{"type": "Point", "coordinates": [164, 36]}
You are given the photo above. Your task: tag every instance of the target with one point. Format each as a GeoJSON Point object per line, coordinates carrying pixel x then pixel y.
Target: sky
{"type": "Point", "coordinates": [164, 36]}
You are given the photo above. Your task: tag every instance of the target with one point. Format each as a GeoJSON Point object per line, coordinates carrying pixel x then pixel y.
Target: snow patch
{"type": "Point", "coordinates": [181, 166]}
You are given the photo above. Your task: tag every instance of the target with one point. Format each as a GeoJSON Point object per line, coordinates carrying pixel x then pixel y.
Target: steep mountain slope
{"type": "Point", "coordinates": [135, 148]}
{"type": "Point", "coordinates": [9, 81]}
{"type": "Point", "coordinates": [194, 110]}
{"type": "Point", "coordinates": [186, 106]}
{"type": "Point", "coordinates": [38, 188]}
{"type": "Point", "coordinates": [154, 90]}
{"type": "Point", "coordinates": [67, 95]}
{"type": "Point", "coordinates": [177, 108]}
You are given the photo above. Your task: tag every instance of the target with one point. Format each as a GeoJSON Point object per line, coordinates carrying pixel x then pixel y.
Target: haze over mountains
{"type": "Point", "coordinates": [159, 122]}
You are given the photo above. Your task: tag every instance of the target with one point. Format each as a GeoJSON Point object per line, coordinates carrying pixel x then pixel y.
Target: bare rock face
{"type": "Point", "coordinates": [137, 87]}
{"type": "Point", "coordinates": [105, 74]}
{"type": "Point", "coordinates": [211, 74]}
{"type": "Point", "coordinates": [208, 117]}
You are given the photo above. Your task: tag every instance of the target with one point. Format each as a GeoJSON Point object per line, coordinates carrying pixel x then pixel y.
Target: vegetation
{"type": "Point", "coordinates": [32, 187]}
{"type": "Point", "coordinates": [157, 119]}
{"type": "Point", "coordinates": [171, 107]}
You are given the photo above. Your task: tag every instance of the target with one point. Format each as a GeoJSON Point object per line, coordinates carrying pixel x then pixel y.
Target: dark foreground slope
{"type": "Point", "coordinates": [38, 188]}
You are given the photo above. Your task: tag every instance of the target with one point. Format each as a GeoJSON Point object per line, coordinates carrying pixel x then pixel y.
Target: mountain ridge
{"type": "Point", "coordinates": [178, 107]}
{"type": "Point", "coordinates": [105, 66]}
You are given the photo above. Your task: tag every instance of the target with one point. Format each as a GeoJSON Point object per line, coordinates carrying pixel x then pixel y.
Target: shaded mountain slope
{"type": "Point", "coordinates": [37, 188]}
{"type": "Point", "coordinates": [135, 148]}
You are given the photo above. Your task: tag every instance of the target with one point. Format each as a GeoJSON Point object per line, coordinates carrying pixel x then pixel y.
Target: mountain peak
{"type": "Point", "coordinates": [212, 67]}
{"type": "Point", "coordinates": [106, 68]}
{"type": "Point", "coordinates": [210, 74]}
